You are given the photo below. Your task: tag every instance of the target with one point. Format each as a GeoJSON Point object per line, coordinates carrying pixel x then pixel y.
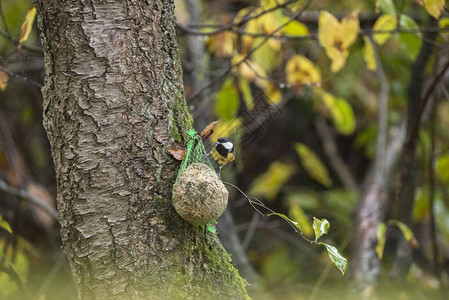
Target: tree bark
{"type": "Point", "coordinates": [415, 110]}
{"type": "Point", "coordinates": [113, 97]}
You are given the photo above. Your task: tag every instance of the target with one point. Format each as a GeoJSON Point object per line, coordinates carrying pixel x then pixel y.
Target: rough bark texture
{"type": "Point", "coordinates": [113, 98]}
{"type": "Point", "coordinates": [415, 109]}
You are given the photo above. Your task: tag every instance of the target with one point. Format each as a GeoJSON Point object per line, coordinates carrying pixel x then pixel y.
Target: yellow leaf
{"type": "Point", "coordinates": [336, 37]}
{"type": "Point", "coordinates": [443, 22]}
{"type": "Point", "coordinates": [252, 27]}
{"type": "Point", "coordinates": [248, 70]}
{"type": "Point", "coordinates": [328, 29]}
{"type": "Point", "coordinates": [273, 93]}
{"type": "Point", "coordinates": [384, 23]}
{"type": "Point", "coordinates": [269, 183]}
{"type": "Point", "coordinates": [294, 27]}
{"type": "Point", "coordinates": [349, 29]}
{"type": "Point", "coordinates": [3, 80]}
{"type": "Point", "coordinates": [313, 165]}
{"type": "Point", "coordinates": [297, 214]}
{"type": "Point", "coordinates": [225, 128]}
{"type": "Point", "coordinates": [434, 7]}
{"type": "Point", "coordinates": [222, 44]}
{"type": "Point", "coordinates": [27, 24]}
{"type": "Point", "coordinates": [268, 22]}
{"type": "Point", "coordinates": [300, 70]}
{"type": "Point", "coordinates": [368, 54]}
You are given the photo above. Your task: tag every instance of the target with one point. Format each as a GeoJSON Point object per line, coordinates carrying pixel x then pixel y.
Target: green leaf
{"type": "Point", "coordinates": [320, 227]}
{"type": "Point", "coordinates": [442, 168]}
{"type": "Point", "coordinates": [339, 261]}
{"type": "Point", "coordinates": [341, 112]}
{"type": "Point", "coordinates": [411, 42]}
{"type": "Point", "coordinates": [421, 207]}
{"type": "Point", "coordinates": [385, 6]}
{"type": "Point", "coordinates": [278, 265]}
{"type": "Point", "coordinates": [443, 22]}
{"type": "Point", "coordinates": [5, 225]}
{"type": "Point", "coordinates": [406, 232]}
{"type": "Point", "coordinates": [313, 165]}
{"type": "Point", "coordinates": [266, 57]}
{"type": "Point", "coordinates": [296, 224]}
{"type": "Point", "coordinates": [381, 229]}
{"type": "Point", "coordinates": [346, 124]}
{"type": "Point", "coordinates": [227, 101]}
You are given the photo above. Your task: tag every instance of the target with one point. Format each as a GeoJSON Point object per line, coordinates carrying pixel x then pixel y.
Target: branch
{"type": "Point", "coordinates": [233, 24]}
{"type": "Point", "coordinates": [16, 42]}
{"type": "Point", "coordinates": [248, 54]}
{"type": "Point", "coordinates": [331, 150]}
{"type": "Point", "coordinates": [26, 196]}
{"type": "Point", "coordinates": [422, 107]}
{"type": "Point", "coordinates": [256, 204]}
{"type": "Point", "coordinates": [382, 118]}
{"type": "Point", "coordinates": [23, 78]}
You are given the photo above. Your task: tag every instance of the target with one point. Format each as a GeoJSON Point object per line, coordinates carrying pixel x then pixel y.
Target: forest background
{"type": "Point", "coordinates": [338, 111]}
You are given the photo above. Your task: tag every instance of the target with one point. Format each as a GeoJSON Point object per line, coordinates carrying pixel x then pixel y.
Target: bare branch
{"type": "Point", "coordinates": [26, 196]}
{"type": "Point", "coordinates": [24, 46]}
{"type": "Point", "coordinates": [382, 117]}
{"type": "Point", "coordinates": [23, 78]}
{"type": "Point", "coordinates": [235, 24]}
{"type": "Point", "coordinates": [331, 150]}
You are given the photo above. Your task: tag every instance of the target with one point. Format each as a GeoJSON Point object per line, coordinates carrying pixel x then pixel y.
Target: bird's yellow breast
{"type": "Point", "coordinates": [221, 160]}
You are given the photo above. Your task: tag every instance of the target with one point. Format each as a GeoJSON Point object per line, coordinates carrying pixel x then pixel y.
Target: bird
{"type": "Point", "coordinates": [222, 152]}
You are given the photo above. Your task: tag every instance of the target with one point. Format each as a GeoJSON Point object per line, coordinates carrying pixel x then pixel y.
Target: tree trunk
{"type": "Point", "coordinates": [113, 97]}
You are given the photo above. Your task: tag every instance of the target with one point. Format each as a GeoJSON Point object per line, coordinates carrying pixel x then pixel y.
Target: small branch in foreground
{"type": "Point", "coordinates": [256, 204]}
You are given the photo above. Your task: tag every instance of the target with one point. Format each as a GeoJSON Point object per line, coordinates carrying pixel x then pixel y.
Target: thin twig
{"type": "Point", "coordinates": [251, 230]}
{"type": "Point", "coordinates": [423, 104]}
{"type": "Point", "coordinates": [26, 196]}
{"type": "Point", "coordinates": [235, 24]}
{"type": "Point", "coordinates": [30, 48]}
{"type": "Point", "coordinates": [312, 35]}
{"type": "Point", "coordinates": [256, 203]}
{"type": "Point", "coordinates": [331, 150]}
{"type": "Point", "coordinates": [20, 77]}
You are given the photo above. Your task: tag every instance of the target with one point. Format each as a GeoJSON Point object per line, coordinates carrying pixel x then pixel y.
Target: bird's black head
{"type": "Point", "coordinates": [224, 146]}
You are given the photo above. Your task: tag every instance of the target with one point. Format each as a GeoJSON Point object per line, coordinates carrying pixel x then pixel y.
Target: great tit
{"type": "Point", "coordinates": [222, 152]}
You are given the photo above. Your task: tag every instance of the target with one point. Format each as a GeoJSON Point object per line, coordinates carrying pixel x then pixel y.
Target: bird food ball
{"type": "Point", "coordinates": [199, 196]}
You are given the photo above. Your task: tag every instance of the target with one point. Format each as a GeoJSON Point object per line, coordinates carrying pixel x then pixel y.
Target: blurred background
{"type": "Point", "coordinates": [334, 116]}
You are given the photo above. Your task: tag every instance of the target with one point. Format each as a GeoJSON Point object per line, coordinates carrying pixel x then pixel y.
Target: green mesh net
{"type": "Point", "coordinates": [195, 153]}
{"type": "Point", "coordinates": [199, 196]}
